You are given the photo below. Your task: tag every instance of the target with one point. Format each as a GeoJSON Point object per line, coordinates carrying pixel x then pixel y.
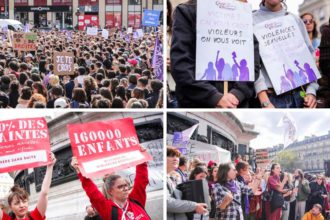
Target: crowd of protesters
{"type": "Point", "coordinates": [237, 192]}
{"type": "Point", "coordinates": [185, 91]}
{"type": "Point", "coordinates": [116, 72]}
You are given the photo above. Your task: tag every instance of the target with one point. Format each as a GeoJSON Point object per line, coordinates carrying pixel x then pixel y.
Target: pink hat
{"type": "Point", "coordinates": [133, 62]}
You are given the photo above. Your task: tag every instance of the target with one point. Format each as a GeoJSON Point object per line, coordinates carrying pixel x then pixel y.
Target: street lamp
{"type": "Point", "coordinates": [77, 14]}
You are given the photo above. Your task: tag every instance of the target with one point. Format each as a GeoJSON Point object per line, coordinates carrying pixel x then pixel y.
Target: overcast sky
{"type": "Point", "coordinates": [292, 5]}
{"type": "Point", "coordinates": [308, 123]}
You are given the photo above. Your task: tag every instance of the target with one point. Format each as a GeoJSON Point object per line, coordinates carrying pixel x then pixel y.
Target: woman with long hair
{"type": "Point", "coordinates": [276, 188]}
{"type": "Point", "coordinates": [311, 27]}
{"type": "Point", "coordinates": [123, 203]}
{"type": "Point", "coordinates": [228, 192]}
{"type": "Point", "coordinates": [270, 9]}
{"type": "Point", "coordinates": [18, 199]}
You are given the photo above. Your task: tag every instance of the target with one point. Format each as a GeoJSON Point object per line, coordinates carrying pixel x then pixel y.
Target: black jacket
{"type": "Point", "coordinates": [200, 94]}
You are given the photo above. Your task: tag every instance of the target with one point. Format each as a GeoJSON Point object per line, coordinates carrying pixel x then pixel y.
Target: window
{"type": "Point", "coordinates": [134, 13]}
{"type": "Point", "coordinates": [113, 14]}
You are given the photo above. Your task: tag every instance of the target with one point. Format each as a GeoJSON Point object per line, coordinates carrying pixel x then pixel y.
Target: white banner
{"type": "Point", "coordinates": [224, 47]}
{"type": "Point", "coordinates": [285, 54]}
{"type": "Point", "coordinates": [105, 33]}
{"type": "Point", "coordinates": [92, 31]}
{"type": "Point", "coordinates": [129, 30]}
{"type": "Point", "coordinates": [23, 158]}
{"type": "Point", "coordinates": [140, 33]}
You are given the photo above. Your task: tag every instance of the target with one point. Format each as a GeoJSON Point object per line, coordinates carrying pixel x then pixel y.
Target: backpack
{"type": "Point", "coordinates": [114, 210]}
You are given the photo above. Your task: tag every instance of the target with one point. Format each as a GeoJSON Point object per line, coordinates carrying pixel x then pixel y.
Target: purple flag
{"type": "Point", "coordinates": [157, 60]}
{"type": "Point", "coordinates": [127, 38]}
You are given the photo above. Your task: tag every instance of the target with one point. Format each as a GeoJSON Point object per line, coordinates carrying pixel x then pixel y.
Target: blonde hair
{"type": "Point", "coordinates": [54, 80]}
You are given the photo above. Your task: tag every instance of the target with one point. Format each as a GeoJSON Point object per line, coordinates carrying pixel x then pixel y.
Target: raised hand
{"type": "Point", "coordinates": [74, 164]}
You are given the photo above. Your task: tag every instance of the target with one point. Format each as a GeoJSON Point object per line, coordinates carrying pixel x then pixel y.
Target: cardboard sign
{"type": "Point", "coordinates": [151, 18]}
{"type": "Point", "coordinates": [284, 52]}
{"type": "Point", "coordinates": [105, 147]}
{"type": "Point", "coordinates": [25, 41]}
{"type": "Point", "coordinates": [24, 143]}
{"type": "Point", "coordinates": [63, 63]}
{"type": "Point", "coordinates": [91, 30]}
{"type": "Point", "coordinates": [105, 33]}
{"type": "Point", "coordinates": [224, 47]}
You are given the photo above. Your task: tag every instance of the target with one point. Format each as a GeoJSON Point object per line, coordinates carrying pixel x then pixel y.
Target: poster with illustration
{"type": "Point", "coordinates": [224, 41]}
{"type": "Point", "coordinates": [287, 59]}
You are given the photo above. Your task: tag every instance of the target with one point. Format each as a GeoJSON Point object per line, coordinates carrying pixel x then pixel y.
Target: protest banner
{"type": "Point", "coordinates": [92, 31]}
{"type": "Point", "coordinates": [63, 63]}
{"type": "Point", "coordinates": [105, 33]}
{"type": "Point", "coordinates": [288, 61]}
{"type": "Point", "coordinates": [25, 41]}
{"type": "Point", "coordinates": [224, 41]}
{"type": "Point", "coordinates": [24, 143]}
{"type": "Point", "coordinates": [105, 147]}
{"type": "Point", "coordinates": [129, 30]}
{"type": "Point", "coordinates": [150, 18]}
{"type": "Point", "coordinates": [204, 151]}
{"type": "Point", "coordinates": [181, 139]}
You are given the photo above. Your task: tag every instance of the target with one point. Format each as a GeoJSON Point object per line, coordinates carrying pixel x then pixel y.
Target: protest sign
{"type": "Point", "coordinates": [24, 143]}
{"type": "Point", "coordinates": [105, 147]}
{"type": "Point", "coordinates": [181, 139]}
{"type": "Point", "coordinates": [25, 41]}
{"type": "Point", "coordinates": [63, 63]}
{"type": "Point", "coordinates": [92, 31]}
{"type": "Point", "coordinates": [284, 52]}
{"type": "Point", "coordinates": [224, 41]}
{"type": "Point", "coordinates": [139, 33]}
{"type": "Point", "coordinates": [151, 18]}
{"type": "Point", "coordinates": [129, 30]}
{"type": "Point", "coordinates": [105, 33]}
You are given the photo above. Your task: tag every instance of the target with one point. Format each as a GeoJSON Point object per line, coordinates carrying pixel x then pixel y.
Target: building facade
{"type": "Point", "coordinates": [312, 152]}
{"type": "Point", "coordinates": [319, 8]}
{"type": "Point", "coordinates": [69, 13]}
{"type": "Point", "coordinates": [221, 129]}
{"type": "Point", "coordinates": [6, 182]}
{"type": "Point", "coordinates": [67, 200]}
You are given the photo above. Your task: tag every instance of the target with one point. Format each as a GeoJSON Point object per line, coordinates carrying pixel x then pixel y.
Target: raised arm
{"type": "Point", "coordinates": [234, 59]}
{"type": "Point", "coordinates": [95, 196]}
{"type": "Point", "coordinates": [43, 196]}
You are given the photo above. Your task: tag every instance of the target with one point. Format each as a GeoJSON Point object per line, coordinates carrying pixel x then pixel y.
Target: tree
{"type": "Point", "coordinates": [289, 161]}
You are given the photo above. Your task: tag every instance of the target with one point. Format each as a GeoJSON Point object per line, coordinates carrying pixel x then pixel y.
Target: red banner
{"type": "Point", "coordinates": [105, 147]}
{"type": "Point", "coordinates": [24, 143]}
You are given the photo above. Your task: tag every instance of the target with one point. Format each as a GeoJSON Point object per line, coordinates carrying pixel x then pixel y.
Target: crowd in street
{"type": "Point", "coordinates": [237, 191]}
{"type": "Point", "coordinates": [113, 72]}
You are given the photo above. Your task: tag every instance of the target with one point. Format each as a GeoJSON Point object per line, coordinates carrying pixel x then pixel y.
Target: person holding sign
{"type": "Point", "coordinates": [284, 85]}
{"type": "Point", "coordinates": [192, 92]}
{"type": "Point", "coordinates": [123, 203]}
{"type": "Point", "coordinates": [18, 199]}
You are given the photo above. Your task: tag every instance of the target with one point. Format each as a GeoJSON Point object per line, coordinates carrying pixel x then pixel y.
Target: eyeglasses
{"type": "Point", "coordinates": [308, 21]}
{"type": "Point", "coordinates": [123, 186]}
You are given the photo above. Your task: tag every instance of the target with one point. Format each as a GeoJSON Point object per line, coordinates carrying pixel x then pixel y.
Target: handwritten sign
{"type": "Point", "coordinates": [63, 63]}
{"type": "Point", "coordinates": [25, 41]}
{"type": "Point", "coordinates": [225, 49]}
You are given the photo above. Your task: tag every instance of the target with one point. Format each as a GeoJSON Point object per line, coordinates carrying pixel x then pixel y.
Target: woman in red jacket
{"type": "Point", "coordinates": [18, 199]}
{"type": "Point", "coordinates": [123, 203]}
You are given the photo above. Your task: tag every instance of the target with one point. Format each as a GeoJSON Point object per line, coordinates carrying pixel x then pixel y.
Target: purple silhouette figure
{"type": "Point", "coordinates": [243, 69]}
{"type": "Point", "coordinates": [210, 73]}
{"type": "Point", "coordinates": [285, 84]}
{"type": "Point", "coordinates": [220, 65]}
{"type": "Point", "coordinates": [310, 73]}
{"type": "Point", "coordinates": [290, 76]}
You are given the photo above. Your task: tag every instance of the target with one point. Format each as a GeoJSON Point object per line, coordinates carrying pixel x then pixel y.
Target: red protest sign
{"type": "Point", "coordinates": [105, 147]}
{"type": "Point", "coordinates": [24, 143]}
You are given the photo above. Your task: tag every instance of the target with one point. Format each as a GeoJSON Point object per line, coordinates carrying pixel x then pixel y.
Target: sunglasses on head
{"type": "Point", "coordinates": [308, 21]}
